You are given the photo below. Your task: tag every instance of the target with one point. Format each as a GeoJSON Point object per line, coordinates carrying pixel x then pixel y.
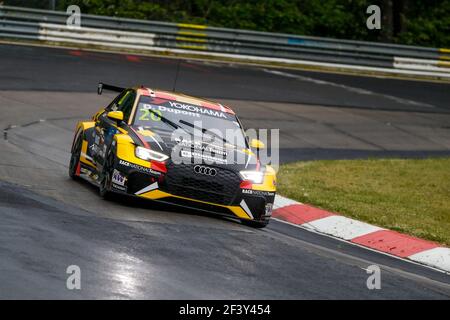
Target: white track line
{"type": "Point", "coordinates": [348, 88]}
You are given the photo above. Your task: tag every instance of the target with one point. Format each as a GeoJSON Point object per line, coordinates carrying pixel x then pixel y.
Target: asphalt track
{"type": "Point", "coordinates": [137, 249]}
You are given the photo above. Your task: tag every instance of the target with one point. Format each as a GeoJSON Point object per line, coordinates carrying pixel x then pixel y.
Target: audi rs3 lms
{"type": "Point", "coordinates": [175, 149]}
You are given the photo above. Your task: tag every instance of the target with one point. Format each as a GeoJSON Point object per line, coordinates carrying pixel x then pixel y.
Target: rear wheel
{"type": "Point", "coordinates": [75, 158]}
{"type": "Point", "coordinates": [106, 177]}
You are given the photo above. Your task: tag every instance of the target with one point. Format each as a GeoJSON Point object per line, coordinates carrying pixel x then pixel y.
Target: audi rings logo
{"type": "Point", "coordinates": [207, 171]}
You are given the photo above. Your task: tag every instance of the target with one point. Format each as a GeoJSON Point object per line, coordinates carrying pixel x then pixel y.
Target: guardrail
{"type": "Point", "coordinates": [50, 26]}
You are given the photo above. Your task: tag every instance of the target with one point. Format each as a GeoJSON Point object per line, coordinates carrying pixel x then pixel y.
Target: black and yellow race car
{"type": "Point", "coordinates": [174, 148]}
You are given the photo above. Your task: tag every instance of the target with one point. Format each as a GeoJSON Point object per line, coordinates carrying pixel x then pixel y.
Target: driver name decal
{"type": "Point", "coordinates": [182, 108]}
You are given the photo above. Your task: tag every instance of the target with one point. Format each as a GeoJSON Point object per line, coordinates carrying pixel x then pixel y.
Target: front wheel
{"type": "Point", "coordinates": [75, 158]}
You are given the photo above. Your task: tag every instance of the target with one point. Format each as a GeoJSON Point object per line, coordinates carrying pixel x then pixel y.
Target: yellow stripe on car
{"type": "Point", "coordinates": [83, 158]}
{"type": "Point", "coordinates": [158, 194]}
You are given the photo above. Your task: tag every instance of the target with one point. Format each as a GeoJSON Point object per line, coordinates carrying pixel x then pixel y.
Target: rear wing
{"type": "Point", "coordinates": [103, 86]}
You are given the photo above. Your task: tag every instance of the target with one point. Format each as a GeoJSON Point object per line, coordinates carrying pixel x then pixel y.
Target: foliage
{"type": "Point", "coordinates": [430, 26]}
{"type": "Point", "coordinates": [423, 22]}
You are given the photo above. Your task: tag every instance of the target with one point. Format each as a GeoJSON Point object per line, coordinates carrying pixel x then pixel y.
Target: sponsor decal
{"type": "Point", "coordinates": [197, 109]}
{"type": "Point", "coordinates": [207, 171]}
{"type": "Point", "coordinates": [199, 155]}
{"type": "Point", "coordinates": [258, 192]}
{"type": "Point", "coordinates": [118, 178]}
{"type": "Point", "coordinates": [158, 110]}
{"type": "Point", "coordinates": [138, 167]}
{"type": "Point", "coordinates": [200, 146]}
{"type": "Point", "coordinates": [121, 188]}
{"type": "Point", "coordinates": [184, 109]}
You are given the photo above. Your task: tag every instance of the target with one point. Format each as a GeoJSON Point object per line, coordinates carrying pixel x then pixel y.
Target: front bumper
{"type": "Point", "coordinates": [221, 194]}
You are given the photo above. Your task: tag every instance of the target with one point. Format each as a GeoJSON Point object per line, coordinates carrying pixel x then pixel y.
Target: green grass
{"type": "Point", "coordinates": [410, 196]}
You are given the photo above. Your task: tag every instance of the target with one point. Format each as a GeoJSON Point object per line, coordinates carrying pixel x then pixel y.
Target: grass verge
{"type": "Point", "coordinates": [406, 195]}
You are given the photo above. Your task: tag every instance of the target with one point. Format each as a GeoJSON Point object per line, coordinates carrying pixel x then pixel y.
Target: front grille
{"type": "Point", "coordinates": [181, 180]}
{"type": "Point", "coordinates": [137, 181]}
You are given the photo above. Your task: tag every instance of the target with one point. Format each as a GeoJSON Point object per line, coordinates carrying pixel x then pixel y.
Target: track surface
{"type": "Point", "coordinates": [134, 249]}
{"type": "Point", "coordinates": [321, 115]}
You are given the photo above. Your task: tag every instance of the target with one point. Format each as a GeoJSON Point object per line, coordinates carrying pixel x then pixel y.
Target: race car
{"type": "Point", "coordinates": [176, 149]}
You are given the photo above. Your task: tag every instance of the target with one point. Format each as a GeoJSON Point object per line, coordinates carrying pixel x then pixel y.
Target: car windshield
{"type": "Point", "coordinates": [163, 115]}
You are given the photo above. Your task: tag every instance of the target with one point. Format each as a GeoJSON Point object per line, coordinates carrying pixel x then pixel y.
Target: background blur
{"type": "Point", "coordinates": [412, 22]}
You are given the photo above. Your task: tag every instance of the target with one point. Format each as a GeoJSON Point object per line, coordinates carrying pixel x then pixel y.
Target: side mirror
{"type": "Point", "coordinates": [115, 115]}
{"type": "Point", "coordinates": [257, 144]}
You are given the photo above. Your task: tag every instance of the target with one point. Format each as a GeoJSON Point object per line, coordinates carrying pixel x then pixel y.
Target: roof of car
{"type": "Point", "coordinates": [183, 98]}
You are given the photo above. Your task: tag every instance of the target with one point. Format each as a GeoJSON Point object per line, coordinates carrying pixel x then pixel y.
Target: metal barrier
{"type": "Point", "coordinates": [50, 26]}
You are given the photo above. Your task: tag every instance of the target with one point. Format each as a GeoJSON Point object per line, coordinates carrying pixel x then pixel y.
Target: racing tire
{"type": "Point", "coordinates": [255, 224]}
{"type": "Point", "coordinates": [105, 183]}
{"type": "Point", "coordinates": [75, 158]}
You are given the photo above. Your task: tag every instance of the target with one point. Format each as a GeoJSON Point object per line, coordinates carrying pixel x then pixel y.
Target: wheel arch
{"type": "Point", "coordinates": [83, 127]}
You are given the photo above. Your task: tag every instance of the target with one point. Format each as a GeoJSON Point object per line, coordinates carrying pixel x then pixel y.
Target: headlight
{"type": "Point", "coordinates": [253, 176]}
{"type": "Point", "coordinates": [147, 154]}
